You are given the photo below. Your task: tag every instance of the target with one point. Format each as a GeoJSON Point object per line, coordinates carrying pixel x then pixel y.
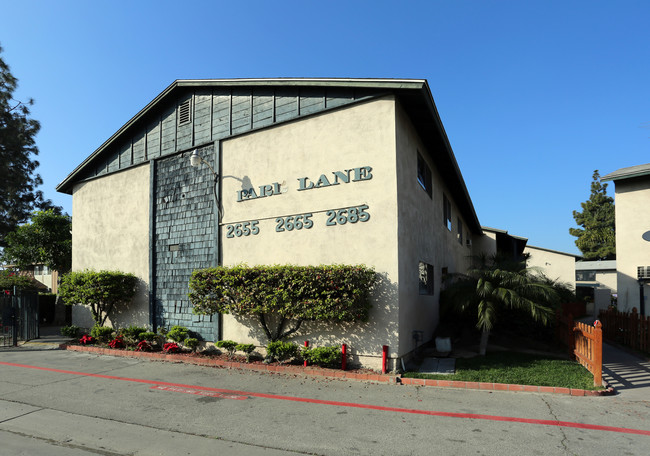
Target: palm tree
{"type": "Point", "coordinates": [495, 284]}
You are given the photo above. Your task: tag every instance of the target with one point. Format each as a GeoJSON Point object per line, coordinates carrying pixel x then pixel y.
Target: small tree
{"type": "Point", "coordinates": [101, 291]}
{"type": "Point", "coordinates": [288, 294]}
{"type": "Point", "coordinates": [597, 235]}
{"type": "Point", "coordinates": [494, 284]}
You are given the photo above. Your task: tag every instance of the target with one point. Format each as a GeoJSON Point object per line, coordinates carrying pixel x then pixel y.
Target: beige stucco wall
{"type": "Point", "coordinates": [485, 244]}
{"type": "Point", "coordinates": [555, 265]}
{"type": "Point", "coordinates": [423, 237]}
{"type": "Point", "coordinates": [110, 231]}
{"type": "Point", "coordinates": [632, 220]}
{"type": "Point", "coordinates": [353, 137]}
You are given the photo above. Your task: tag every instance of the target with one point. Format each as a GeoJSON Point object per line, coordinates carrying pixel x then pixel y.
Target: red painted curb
{"type": "Point", "coordinates": [341, 375]}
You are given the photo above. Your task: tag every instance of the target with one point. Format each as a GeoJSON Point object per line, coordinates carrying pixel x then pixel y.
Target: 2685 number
{"type": "Point", "coordinates": [350, 214]}
{"type": "Point", "coordinates": [242, 229]}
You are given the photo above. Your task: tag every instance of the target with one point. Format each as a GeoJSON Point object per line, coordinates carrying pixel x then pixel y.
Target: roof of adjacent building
{"type": "Point", "coordinates": [553, 251]}
{"type": "Point", "coordinates": [596, 265]}
{"type": "Point", "coordinates": [628, 173]}
{"type": "Point", "coordinates": [413, 94]}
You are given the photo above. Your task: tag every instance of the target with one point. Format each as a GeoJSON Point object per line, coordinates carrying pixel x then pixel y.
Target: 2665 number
{"type": "Point", "coordinates": [294, 222]}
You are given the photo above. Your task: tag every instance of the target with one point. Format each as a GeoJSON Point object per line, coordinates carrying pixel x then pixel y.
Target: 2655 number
{"type": "Point", "coordinates": [243, 229]}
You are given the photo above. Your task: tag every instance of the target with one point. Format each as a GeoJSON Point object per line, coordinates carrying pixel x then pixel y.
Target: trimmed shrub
{"type": "Point", "coordinates": [178, 333]}
{"type": "Point", "coordinates": [192, 343]}
{"type": "Point", "coordinates": [323, 356]}
{"type": "Point", "coordinates": [148, 336]}
{"type": "Point", "coordinates": [331, 293]}
{"type": "Point", "coordinates": [71, 331]}
{"type": "Point", "coordinates": [100, 291]}
{"type": "Point", "coordinates": [246, 348]}
{"type": "Point", "coordinates": [132, 333]}
{"type": "Point", "coordinates": [282, 351]}
{"type": "Point", "coordinates": [101, 333]}
{"type": "Point", "coordinates": [228, 345]}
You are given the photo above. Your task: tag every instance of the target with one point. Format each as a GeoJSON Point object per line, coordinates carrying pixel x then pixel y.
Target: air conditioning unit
{"type": "Point", "coordinates": [643, 272]}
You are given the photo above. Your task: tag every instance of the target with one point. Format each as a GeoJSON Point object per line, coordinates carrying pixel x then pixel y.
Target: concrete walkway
{"type": "Point", "coordinates": [629, 374]}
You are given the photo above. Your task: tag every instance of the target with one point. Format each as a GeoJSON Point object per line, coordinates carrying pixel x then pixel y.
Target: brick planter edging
{"type": "Point", "coordinates": [330, 373]}
{"type": "Point", "coordinates": [506, 387]}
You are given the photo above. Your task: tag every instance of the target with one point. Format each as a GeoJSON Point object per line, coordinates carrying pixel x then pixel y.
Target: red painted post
{"type": "Point", "coordinates": [344, 357]}
{"type": "Point", "coordinates": [306, 345]}
{"type": "Point", "coordinates": [384, 358]}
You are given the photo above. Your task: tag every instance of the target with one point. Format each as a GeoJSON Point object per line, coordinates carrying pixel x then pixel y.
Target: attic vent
{"type": "Point", "coordinates": [185, 112]}
{"type": "Point", "coordinates": [643, 272]}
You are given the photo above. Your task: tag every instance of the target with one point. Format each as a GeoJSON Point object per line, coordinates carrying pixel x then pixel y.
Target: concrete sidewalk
{"type": "Point", "coordinates": [629, 374]}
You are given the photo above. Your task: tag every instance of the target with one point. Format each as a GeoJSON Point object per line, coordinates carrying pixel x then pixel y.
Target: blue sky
{"type": "Point", "coordinates": [534, 95]}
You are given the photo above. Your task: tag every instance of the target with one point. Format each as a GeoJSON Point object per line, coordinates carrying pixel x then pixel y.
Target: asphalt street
{"type": "Point", "coordinates": [56, 402]}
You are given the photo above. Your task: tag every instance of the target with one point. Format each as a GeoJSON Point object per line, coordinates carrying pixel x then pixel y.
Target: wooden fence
{"type": "Point", "coordinates": [585, 343]}
{"type": "Point", "coordinates": [626, 328]}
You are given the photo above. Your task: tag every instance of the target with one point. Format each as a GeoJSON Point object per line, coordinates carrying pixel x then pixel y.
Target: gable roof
{"type": "Point", "coordinates": [628, 173]}
{"type": "Point", "coordinates": [414, 95]}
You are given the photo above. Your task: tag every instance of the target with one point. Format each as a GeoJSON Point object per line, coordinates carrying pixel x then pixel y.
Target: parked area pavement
{"type": "Point", "coordinates": [55, 402]}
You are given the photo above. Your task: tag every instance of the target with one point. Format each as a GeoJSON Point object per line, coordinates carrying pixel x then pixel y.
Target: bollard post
{"type": "Point", "coordinates": [306, 345]}
{"type": "Point", "coordinates": [384, 358]}
{"type": "Point", "coordinates": [344, 356]}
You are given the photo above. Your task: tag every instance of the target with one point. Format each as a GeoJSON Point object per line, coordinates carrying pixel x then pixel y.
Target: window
{"type": "Point", "coordinates": [424, 175]}
{"type": "Point", "coordinates": [426, 278]}
{"type": "Point", "coordinates": [41, 269]}
{"type": "Point", "coordinates": [446, 207]}
{"type": "Point", "coordinates": [460, 230]}
{"type": "Point", "coordinates": [585, 276]}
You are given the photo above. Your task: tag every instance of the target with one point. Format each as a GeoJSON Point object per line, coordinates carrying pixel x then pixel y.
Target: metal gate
{"type": "Point", "coordinates": [18, 318]}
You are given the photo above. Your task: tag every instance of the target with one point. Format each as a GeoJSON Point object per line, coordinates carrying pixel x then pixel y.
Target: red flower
{"type": "Point", "coordinates": [171, 347]}
{"type": "Point", "coordinates": [86, 339]}
{"type": "Point", "coordinates": [118, 342]}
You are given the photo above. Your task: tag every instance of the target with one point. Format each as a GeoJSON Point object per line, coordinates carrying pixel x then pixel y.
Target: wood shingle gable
{"type": "Point", "coordinates": [194, 113]}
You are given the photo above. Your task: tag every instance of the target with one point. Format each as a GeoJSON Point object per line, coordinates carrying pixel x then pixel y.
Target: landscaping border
{"type": "Point", "coordinates": [313, 371]}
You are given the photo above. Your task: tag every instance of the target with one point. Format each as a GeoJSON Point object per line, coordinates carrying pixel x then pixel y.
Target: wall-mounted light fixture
{"type": "Point", "coordinates": [195, 162]}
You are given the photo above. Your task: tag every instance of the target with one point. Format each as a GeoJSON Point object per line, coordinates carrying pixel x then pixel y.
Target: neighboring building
{"type": "Point", "coordinates": [596, 284]}
{"type": "Point", "coordinates": [632, 199]}
{"type": "Point", "coordinates": [496, 241]}
{"type": "Point", "coordinates": [286, 150]}
{"type": "Point", "coordinates": [556, 265]}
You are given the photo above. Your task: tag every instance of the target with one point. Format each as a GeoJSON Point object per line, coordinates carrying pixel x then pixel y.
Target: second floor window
{"type": "Point", "coordinates": [446, 208]}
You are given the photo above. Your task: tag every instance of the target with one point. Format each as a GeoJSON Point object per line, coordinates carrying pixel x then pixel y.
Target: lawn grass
{"type": "Point", "coordinates": [519, 369]}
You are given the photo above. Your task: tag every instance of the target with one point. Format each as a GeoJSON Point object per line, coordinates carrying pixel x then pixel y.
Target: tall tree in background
{"type": "Point", "coordinates": [18, 182]}
{"type": "Point", "coordinates": [597, 235]}
{"type": "Point", "coordinates": [46, 239]}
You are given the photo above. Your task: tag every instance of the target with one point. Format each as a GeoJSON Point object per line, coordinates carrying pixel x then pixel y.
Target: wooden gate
{"type": "Point", "coordinates": [585, 343]}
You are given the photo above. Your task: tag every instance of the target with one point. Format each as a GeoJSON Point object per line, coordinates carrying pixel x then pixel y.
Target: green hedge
{"type": "Point", "coordinates": [333, 293]}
